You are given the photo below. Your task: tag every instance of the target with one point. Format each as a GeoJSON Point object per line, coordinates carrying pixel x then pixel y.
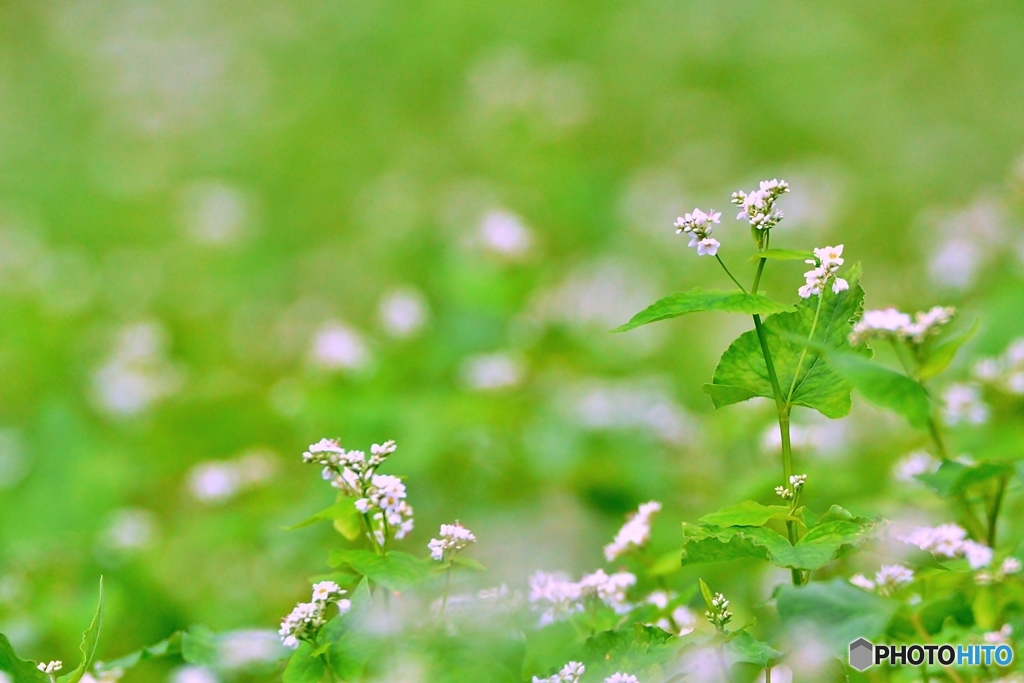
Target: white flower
{"type": "Point", "coordinates": [913, 464]}
{"type": "Point", "coordinates": [50, 667]}
{"type": "Point", "coordinates": [619, 677]}
{"type": "Point", "coordinates": [964, 405]}
{"type": "Point", "coordinates": [891, 577]}
{"type": "Point", "coordinates": [783, 492]}
{"type": "Point", "coordinates": [699, 225]}
{"type": "Point", "coordinates": [758, 207]}
{"type": "Point", "coordinates": [719, 614]}
{"type": "Point", "coordinates": [684, 620]}
{"type": "Point", "coordinates": [557, 597]}
{"type": "Point", "coordinates": [326, 590]}
{"type": "Point", "coordinates": [634, 533]}
{"type": "Point", "coordinates": [950, 540]}
{"type": "Point", "coordinates": [797, 481]}
{"type": "Point", "coordinates": [570, 673]}
{"type": "Point", "coordinates": [307, 618]}
{"type": "Point", "coordinates": [827, 261]}
{"type": "Point", "coordinates": [892, 324]}
{"type": "Point", "coordinates": [1011, 565]}
{"type": "Point", "coordinates": [861, 581]}
{"type": "Point", "coordinates": [1002, 636]}
{"type": "Point", "coordinates": [454, 537]}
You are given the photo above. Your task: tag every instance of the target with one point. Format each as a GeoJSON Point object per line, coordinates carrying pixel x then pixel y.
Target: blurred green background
{"type": "Point", "coordinates": [228, 229]}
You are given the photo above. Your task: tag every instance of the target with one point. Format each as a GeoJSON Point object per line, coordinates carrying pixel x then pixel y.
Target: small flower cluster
{"type": "Point", "coordinates": [50, 668]}
{"type": "Point", "coordinates": [635, 533]}
{"type": "Point", "coordinates": [826, 262]}
{"type": "Point", "coordinates": [1008, 567]}
{"type": "Point", "coordinates": [758, 207]}
{"type": "Point", "coordinates": [557, 597]}
{"type": "Point", "coordinates": [380, 496]}
{"type": "Point", "coordinates": [911, 465]}
{"type": "Point", "coordinates": [699, 225]}
{"type": "Point", "coordinates": [890, 323]}
{"type": "Point", "coordinates": [454, 537]}
{"type": "Point", "coordinates": [1000, 637]}
{"type": "Point", "coordinates": [963, 404]}
{"type": "Point", "coordinates": [889, 579]}
{"type": "Point", "coordinates": [1005, 373]}
{"type": "Point", "coordinates": [306, 620]}
{"type": "Point", "coordinates": [619, 677]}
{"type": "Point", "coordinates": [950, 540]}
{"type": "Point", "coordinates": [796, 485]}
{"type": "Point", "coordinates": [719, 614]}
{"type": "Point", "coordinates": [570, 673]}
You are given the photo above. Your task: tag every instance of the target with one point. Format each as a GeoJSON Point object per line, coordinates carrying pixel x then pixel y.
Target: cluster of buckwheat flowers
{"type": "Point", "coordinates": [950, 541]}
{"type": "Point", "coordinates": [304, 622]}
{"type": "Point", "coordinates": [50, 668]}
{"type": "Point", "coordinates": [758, 207]}
{"type": "Point", "coordinates": [719, 614]}
{"type": "Point", "coordinates": [826, 262]}
{"type": "Point", "coordinates": [381, 498]}
{"type": "Point", "coordinates": [573, 672]}
{"type": "Point", "coordinates": [635, 533]}
{"type": "Point", "coordinates": [797, 482]}
{"type": "Point", "coordinates": [699, 225]}
{"type": "Point", "coordinates": [889, 579]}
{"type": "Point", "coordinates": [890, 323]}
{"type": "Point", "coordinates": [454, 538]}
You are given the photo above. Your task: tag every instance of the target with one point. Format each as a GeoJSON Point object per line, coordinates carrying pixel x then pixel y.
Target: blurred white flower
{"type": "Point", "coordinates": [245, 648]}
{"type": "Point", "coordinates": [13, 458]}
{"type": "Point", "coordinates": [949, 540]}
{"type": "Point", "coordinates": [570, 673]}
{"type": "Point", "coordinates": [619, 677]}
{"type": "Point", "coordinates": [892, 324]}
{"type": "Point", "coordinates": [627, 405]}
{"type": "Point", "coordinates": [136, 375]}
{"type": "Point", "coordinates": [909, 466]}
{"type": "Point", "coordinates": [193, 674]}
{"type": "Point", "coordinates": [338, 347]}
{"type": "Point", "coordinates": [780, 674]}
{"type": "Point", "coordinates": [217, 481]}
{"type": "Point", "coordinates": [505, 234]}
{"type": "Point", "coordinates": [215, 213]}
{"type": "Point", "coordinates": [1005, 373]}
{"type": "Point", "coordinates": [635, 533]}
{"type": "Point", "coordinates": [964, 405]}
{"type": "Point", "coordinates": [491, 371]}
{"type": "Point", "coordinates": [1001, 637]}
{"type": "Point", "coordinates": [130, 529]}
{"type": "Point", "coordinates": [454, 539]}
{"type": "Point", "coordinates": [403, 313]}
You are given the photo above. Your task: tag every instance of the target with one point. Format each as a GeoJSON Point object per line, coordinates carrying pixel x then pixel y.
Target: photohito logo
{"type": "Point", "coordinates": [864, 654]}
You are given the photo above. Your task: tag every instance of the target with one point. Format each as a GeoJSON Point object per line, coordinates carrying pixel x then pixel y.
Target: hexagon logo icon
{"type": "Point", "coordinates": [861, 654]}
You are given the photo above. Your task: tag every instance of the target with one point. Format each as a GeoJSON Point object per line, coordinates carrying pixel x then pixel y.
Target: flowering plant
{"type": "Point", "coordinates": [384, 614]}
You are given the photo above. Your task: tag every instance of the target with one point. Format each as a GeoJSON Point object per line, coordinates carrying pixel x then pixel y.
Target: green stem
{"type": "Point", "coordinates": [331, 678]}
{"type": "Point", "coordinates": [767, 674]}
{"type": "Point", "coordinates": [447, 584]}
{"type": "Point", "coordinates": [729, 273]}
{"type": "Point", "coordinates": [783, 413]}
{"type": "Point", "coordinates": [370, 534]}
{"type": "Point", "coordinates": [803, 353]}
{"type": "Point", "coordinates": [974, 525]}
{"type": "Point", "coordinates": [993, 512]}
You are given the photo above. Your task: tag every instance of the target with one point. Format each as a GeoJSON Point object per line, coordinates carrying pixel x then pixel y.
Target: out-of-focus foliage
{"type": "Point", "coordinates": [230, 228]}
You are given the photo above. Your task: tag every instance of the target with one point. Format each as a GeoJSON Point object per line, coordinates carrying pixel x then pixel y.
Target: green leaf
{"type": "Point", "coordinates": [743, 647]}
{"type": "Point", "coordinates": [836, 612]}
{"type": "Point", "coordinates": [937, 356]}
{"type": "Point", "coordinates": [783, 255]}
{"type": "Point", "coordinates": [165, 648]}
{"type": "Point", "coordinates": [742, 373]}
{"type": "Point", "coordinates": [953, 478]}
{"type": "Point", "coordinates": [884, 387]}
{"type": "Point", "coordinates": [933, 614]}
{"type": "Point", "coordinates": [343, 514]}
{"type": "Point", "coordinates": [635, 649]}
{"type": "Point", "coordinates": [303, 667]}
{"type": "Point", "coordinates": [199, 646]}
{"type": "Point", "coordinates": [17, 669]}
{"type": "Point", "coordinates": [747, 513]}
{"type": "Point", "coordinates": [395, 571]}
{"type": "Point", "coordinates": [350, 644]}
{"type": "Point", "coordinates": [90, 639]}
{"type": "Point", "coordinates": [821, 545]}
{"type": "Point", "coordinates": [547, 648]}
{"type": "Point", "coordinates": [698, 300]}
{"type": "Point", "coordinates": [467, 563]}
{"type": "Point", "coordinates": [705, 592]}
{"type": "Point", "coordinates": [709, 543]}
